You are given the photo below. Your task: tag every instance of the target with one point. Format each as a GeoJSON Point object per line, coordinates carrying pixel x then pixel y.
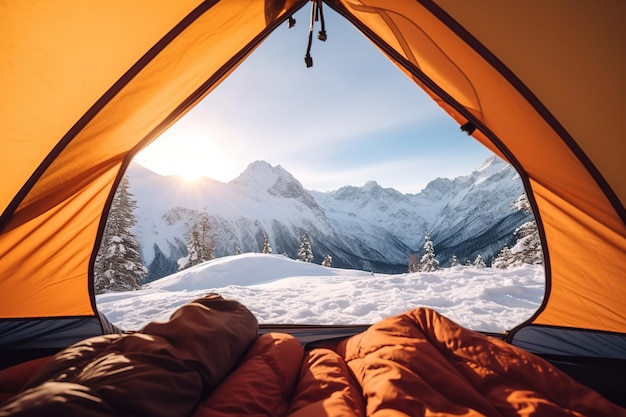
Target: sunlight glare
{"type": "Point", "coordinates": [188, 153]}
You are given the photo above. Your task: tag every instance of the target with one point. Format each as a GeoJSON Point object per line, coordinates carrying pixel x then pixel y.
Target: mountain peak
{"type": "Point", "coordinates": [262, 174]}
{"type": "Point", "coordinates": [491, 165]}
{"type": "Point", "coordinates": [371, 185]}
{"type": "Point", "coordinates": [262, 167]}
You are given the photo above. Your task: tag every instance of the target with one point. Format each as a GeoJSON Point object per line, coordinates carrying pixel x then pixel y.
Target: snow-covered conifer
{"type": "Point", "coordinates": [118, 265]}
{"type": "Point", "coordinates": [328, 261]}
{"type": "Point", "coordinates": [479, 263]}
{"type": "Point", "coordinates": [305, 253]}
{"type": "Point", "coordinates": [206, 239]}
{"type": "Point", "coordinates": [522, 204]}
{"type": "Point", "coordinates": [429, 262]}
{"type": "Point", "coordinates": [528, 247]}
{"type": "Point", "coordinates": [503, 259]}
{"type": "Point", "coordinates": [266, 244]}
{"type": "Point", "coordinates": [200, 245]}
{"type": "Point", "coordinates": [455, 261]}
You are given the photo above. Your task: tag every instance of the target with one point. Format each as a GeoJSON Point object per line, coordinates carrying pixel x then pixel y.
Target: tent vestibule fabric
{"type": "Point", "coordinates": [539, 83]}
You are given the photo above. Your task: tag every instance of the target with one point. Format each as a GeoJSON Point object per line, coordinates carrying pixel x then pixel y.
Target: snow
{"type": "Point", "coordinates": [280, 290]}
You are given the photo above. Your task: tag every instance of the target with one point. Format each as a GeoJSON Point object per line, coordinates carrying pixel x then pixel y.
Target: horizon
{"type": "Point", "coordinates": [260, 205]}
{"type": "Point", "coordinates": [198, 178]}
{"type": "Point", "coordinates": [351, 118]}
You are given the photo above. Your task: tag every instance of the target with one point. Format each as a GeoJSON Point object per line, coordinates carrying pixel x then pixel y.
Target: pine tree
{"type": "Point", "coordinates": [193, 249]}
{"type": "Point", "coordinates": [328, 261]}
{"type": "Point", "coordinates": [118, 265]}
{"type": "Point", "coordinates": [266, 245]}
{"type": "Point", "coordinates": [454, 261]}
{"type": "Point", "coordinates": [522, 204]}
{"type": "Point", "coordinates": [200, 245]}
{"type": "Point", "coordinates": [429, 262]}
{"type": "Point", "coordinates": [206, 240]}
{"type": "Point", "coordinates": [479, 263]}
{"type": "Point", "coordinates": [237, 251]}
{"type": "Point", "coordinates": [503, 259]}
{"type": "Point", "coordinates": [305, 253]}
{"type": "Point", "coordinates": [527, 249]}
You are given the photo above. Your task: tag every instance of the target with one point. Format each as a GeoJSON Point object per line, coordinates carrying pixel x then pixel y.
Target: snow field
{"type": "Point", "coordinates": [280, 290]}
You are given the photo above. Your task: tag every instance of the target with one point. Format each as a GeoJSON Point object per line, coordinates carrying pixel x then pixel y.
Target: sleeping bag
{"type": "Point", "coordinates": [207, 361]}
{"type": "Point", "coordinates": [165, 369]}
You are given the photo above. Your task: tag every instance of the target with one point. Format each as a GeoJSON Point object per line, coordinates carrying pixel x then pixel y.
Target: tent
{"type": "Point", "coordinates": [87, 85]}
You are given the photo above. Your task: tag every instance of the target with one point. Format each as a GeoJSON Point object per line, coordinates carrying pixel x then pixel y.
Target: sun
{"type": "Point", "coordinates": [189, 154]}
{"type": "Point", "coordinates": [189, 165]}
{"type": "Point", "coordinates": [191, 176]}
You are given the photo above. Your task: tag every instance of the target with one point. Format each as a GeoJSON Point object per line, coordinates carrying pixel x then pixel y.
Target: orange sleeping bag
{"type": "Point", "coordinates": [423, 364]}
{"type": "Point", "coordinates": [415, 364]}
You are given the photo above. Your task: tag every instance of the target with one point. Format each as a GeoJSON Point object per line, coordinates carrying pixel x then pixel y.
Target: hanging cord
{"type": "Point", "coordinates": [316, 15]}
{"type": "Point", "coordinates": [320, 14]}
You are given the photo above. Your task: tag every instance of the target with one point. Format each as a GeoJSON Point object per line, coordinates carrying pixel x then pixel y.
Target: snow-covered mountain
{"type": "Point", "coordinates": [367, 228]}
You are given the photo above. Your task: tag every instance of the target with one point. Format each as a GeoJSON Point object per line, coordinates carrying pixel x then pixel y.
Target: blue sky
{"type": "Point", "coordinates": [350, 118]}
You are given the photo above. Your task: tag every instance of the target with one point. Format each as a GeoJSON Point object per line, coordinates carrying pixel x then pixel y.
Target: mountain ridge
{"type": "Point", "coordinates": [367, 227]}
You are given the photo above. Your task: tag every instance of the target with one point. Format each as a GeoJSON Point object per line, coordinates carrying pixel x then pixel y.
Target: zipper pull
{"type": "Point", "coordinates": [316, 15]}
{"type": "Point", "coordinates": [468, 128]}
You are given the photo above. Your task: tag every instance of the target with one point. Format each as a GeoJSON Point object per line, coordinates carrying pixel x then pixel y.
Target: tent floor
{"type": "Point", "coordinates": [606, 376]}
